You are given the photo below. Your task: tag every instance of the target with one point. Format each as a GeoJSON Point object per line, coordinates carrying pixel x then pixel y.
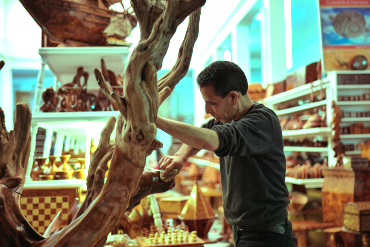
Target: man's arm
{"type": "Point", "coordinates": [198, 138]}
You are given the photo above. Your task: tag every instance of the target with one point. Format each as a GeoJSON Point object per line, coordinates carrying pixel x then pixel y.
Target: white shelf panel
{"type": "Point", "coordinates": [300, 108]}
{"type": "Point", "coordinates": [356, 152]}
{"type": "Point", "coordinates": [55, 184]}
{"type": "Point", "coordinates": [76, 123]}
{"type": "Point", "coordinates": [356, 119]}
{"type": "Point", "coordinates": [355, 136]}
{"type": "Point", "coordinates": [308, 183]}
{"type": "Point", "coordinates": [362, 102]}
{"type": "Point", "coordinates": [49, 117]}
{"type": "Point", "coordinates": [306, 149]}
{"type": "Point", "coordinates": [296, 92]}
{"type": "Point", "coordinates": [349, 72]}
{"type": "Point", "coordinates": [307, 132]}
{"type": "Point", "coordinates": [64, 61]}
{"type": "Point", "coordinates": [363, 86]}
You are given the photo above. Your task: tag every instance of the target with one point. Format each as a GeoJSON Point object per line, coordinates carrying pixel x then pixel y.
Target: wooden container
{"type": "Point", "coordinates": [357, 216]}
{"type": "Point", "coordinates": [343, 185]}
{"type": "Point", "coordinates": [171, 207]}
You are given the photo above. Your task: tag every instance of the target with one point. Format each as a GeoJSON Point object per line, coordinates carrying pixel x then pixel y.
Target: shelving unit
{"type": "Point", "coordinates": [332, 90]}
{"type": "Point", "coordinates": [80, 126]}
{"type": "Point", "coordinates": [353, 106]}
{"type": "Point", "coordinates": [323, 132]}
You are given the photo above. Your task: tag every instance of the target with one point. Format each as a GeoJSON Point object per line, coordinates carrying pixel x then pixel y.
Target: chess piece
{"type": "Point", "coordinates": [65, 171]}
{"type": "Point", "coordinates": [38, 169]}
{"type": "Point", "coordinates": [50, 172]}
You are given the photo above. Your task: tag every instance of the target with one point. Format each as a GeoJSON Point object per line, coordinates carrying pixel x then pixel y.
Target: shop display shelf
{"type": "Point", "coordinates": [53, 184]}
{"type": "Point", "coordinates": [356, 152]}
{"type": "Point", "coordinates": [297, 92]}
{"type": "Point", "coordinates": [346, 87]}
{"type": "Point", "coordinates": [307, 132]}
{"type": "Point", "coordinates": [306, 149]}
{"type": "Point", "coordinates": [356, 119]}
{"type": "Point", "coordinates": [49, 117]}
{"type": "Point", "coordinates": [355, 136]}
{"type": "Point", "coordinates": [300, 108]}
{"type": "Point", "coordinates": [349, 103]}
{"type": "Point", "coordinates": [308, 183]}
{"type": "Point", "coordinates": [78, 123]}
{"type": "Point", "coordinates": [64, 61]}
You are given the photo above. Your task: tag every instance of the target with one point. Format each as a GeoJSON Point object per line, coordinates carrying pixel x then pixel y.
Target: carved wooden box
{"type": "Point", "coordinates": [357, 216]}
{"type": "Point", "coordinates": [171, 207]}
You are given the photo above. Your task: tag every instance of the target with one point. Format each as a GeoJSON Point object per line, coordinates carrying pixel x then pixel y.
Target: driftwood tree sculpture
{"type": "Point", "coordinates": [127, 181]}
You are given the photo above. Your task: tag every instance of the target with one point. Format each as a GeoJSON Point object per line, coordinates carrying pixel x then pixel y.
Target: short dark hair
{"type": "Point", "coordinates": [224, 76]}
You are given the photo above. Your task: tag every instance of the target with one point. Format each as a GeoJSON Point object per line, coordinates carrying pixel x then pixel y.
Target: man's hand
{"type": "Point", "coordinates": [170, 166]}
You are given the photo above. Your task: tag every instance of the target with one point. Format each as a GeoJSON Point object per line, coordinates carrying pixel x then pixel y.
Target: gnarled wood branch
{"type": "Point", "coordinates": [15, 230]}
{"type": "Point", "coordinates": [135, 139]}
{"type": "Point", "coordinates": [178, 71]}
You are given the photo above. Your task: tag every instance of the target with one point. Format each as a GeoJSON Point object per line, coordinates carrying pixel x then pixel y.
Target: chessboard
{"type": "Point", "coordinates": [176, 238]}
{"type": "Point", "coordinates": [40, 211]}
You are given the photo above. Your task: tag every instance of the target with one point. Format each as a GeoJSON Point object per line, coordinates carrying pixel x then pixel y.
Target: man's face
{"type": "Point", "coordinates": [220, 108]}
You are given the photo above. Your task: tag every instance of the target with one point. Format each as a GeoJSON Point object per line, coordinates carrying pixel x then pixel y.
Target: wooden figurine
{"type": "Point", "coordinates": [336, 119]}
{"type": "Point", "coordinates": [50, 100]}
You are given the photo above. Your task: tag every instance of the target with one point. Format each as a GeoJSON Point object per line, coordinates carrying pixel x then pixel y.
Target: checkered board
{"type": "Point", "coordinates": [40, 211]}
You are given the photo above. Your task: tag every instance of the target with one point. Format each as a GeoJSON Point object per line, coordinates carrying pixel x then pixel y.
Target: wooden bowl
{"type": "Point", "coordinates": [46, 177]}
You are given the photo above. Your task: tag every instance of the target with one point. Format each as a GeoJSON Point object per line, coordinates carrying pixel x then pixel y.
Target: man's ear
{"type": "Point", "coordinates": [234, 97]}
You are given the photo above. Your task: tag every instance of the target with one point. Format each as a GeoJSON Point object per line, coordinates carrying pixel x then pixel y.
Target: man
{"type": "Point", "coordinates": [247, 137]}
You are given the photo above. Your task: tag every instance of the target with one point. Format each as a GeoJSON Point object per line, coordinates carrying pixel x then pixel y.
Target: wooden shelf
{"type": "Point", "coordinates": [296, 92]}
{"type": "Point", "coordinates": [308, 183]}
{"type": "Point", "coordinates": [362, 86]}
{"type": "Point", "coordinates": [356, 119]}
{"type": "Point", "coordinates": [307, 132]}
{"type": "Point", "coordinates": [349, 103]}
{"type": "Point", "coordinates": [300, 108]}
{"type": "Point", "coordinates": [306, 149]}
{"type": "Point", "coordinates": [355, 136]}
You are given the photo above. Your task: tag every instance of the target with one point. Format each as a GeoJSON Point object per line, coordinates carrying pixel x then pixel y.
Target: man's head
{"type": "Point", "coordinates": [222, 84]}
{"type": "Point", "coordinates": [224, 77]}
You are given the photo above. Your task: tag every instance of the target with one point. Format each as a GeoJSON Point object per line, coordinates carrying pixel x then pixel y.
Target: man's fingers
{"type": "Point", "coordinates": [162, 159]}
